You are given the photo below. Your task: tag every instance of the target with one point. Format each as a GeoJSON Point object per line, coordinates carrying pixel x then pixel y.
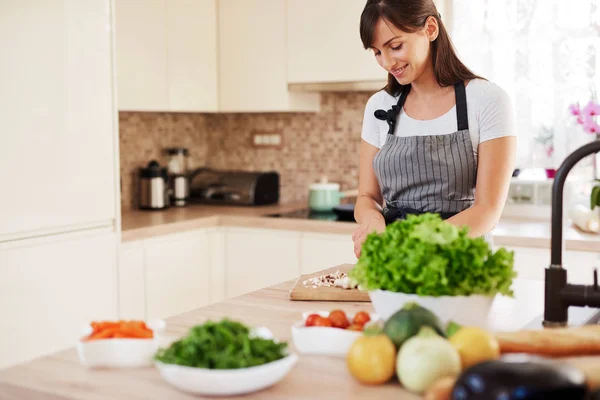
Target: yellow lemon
{"type": "Point", "coordinates": [372, 359]}
{"type": "Point", "coordinates": [475, 345]}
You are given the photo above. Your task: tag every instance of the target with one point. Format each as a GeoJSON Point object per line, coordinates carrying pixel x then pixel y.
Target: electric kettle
{"type": "Point", "coordinates": [154, 189]}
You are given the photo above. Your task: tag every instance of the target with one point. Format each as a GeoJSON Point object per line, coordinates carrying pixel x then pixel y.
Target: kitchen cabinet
{"type": "Point", "coordinates": [51, 289]}
{"type": "Point", "coordinates": [140, 37]}
{"type": "Point", "coordinates": [166, 55]}
{"type": "Point", "coordinates": [166, 275]}
{"type": "Point", "coordinates": [132, 287]}
{"type": "Point", "coordinates": [252, 59]}
{"type": "Point", "coordinates": [177, 273]}
{"type": "Point", "coordinates": [58, 154]}
{"type": "Point", "coordinates": [192, 55]}
{"type": "Point", "coordinates": [530, 263]}
{"type": "Point", "coordinates": [319, 251]}
{"type": "Point", "coordinates": [57, 148]}
{"type": "Point", "coordinates": [256, 258]}
{"type": "Point", "coordinates": [324, 45]}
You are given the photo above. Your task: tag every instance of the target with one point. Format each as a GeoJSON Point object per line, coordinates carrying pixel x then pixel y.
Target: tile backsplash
{"type": "Point", "coordinates": [313, 144]}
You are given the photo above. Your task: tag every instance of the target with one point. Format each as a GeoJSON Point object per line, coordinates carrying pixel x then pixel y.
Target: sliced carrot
{"type": "Point", "coordinates": [120, 329]}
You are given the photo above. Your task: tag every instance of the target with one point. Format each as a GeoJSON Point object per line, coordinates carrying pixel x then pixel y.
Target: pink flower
{"type": "Point", "coordinates": [574, 109]}
{"type": "Point", "coordinates": [580, 120]}
{"type": "Point", "coordinates": [592, 109]}
{"type": "Point", "coordinates": [590, 126]}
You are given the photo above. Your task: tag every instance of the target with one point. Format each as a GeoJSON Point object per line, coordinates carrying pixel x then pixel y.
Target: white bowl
{"type": "Point", "coordinates": [465, 310]}
{"type": "Point", "coordinates": [227, 382]}
{"type": "Point", "coordinates": [120, 353]}
{"type": "Point", "coordinates": [322, 340]}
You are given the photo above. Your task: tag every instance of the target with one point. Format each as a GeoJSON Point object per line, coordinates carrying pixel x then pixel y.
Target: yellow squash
{"type": "Point", "coordinates": [372, 359]}
{"type": "Point", "coordinates": [475, 345]}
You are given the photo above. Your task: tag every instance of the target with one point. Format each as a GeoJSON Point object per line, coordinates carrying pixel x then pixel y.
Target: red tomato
{"type": "Point", "coordinates": [339, 319]}
{"type": "Point", "coordinates": [323, 321]}
{"type": "Point", "coordinates": [312, 318]}
{"type": "Point", "coordinates": [361, 318]}
{"type": "Point", "coordinates": [355, 327]}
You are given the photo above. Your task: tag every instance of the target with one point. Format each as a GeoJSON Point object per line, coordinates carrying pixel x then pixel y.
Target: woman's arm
{"type": "Point", "coordinates": [494, 171]}
{"type": "Point", "coordinates": [367, 211]}
{"type": "Point", "coordinates": [369, 201]}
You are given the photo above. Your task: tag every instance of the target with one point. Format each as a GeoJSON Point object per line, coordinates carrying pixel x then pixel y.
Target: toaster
{"type": "Point", "coordinates": [208, 186]}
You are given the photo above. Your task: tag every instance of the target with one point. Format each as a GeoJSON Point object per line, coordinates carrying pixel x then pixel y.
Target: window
{"type": "Point", "coordinates": [546, 55]}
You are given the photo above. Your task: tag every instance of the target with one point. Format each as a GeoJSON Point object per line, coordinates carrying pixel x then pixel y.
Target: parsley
{"type": "Point", "coordinates": [221, 345]}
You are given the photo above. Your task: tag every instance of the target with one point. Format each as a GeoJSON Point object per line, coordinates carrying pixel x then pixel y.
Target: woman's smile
{"type": "Point", "coordinates": [397, 72]}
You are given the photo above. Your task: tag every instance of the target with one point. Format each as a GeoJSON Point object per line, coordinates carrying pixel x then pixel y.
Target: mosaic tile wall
{"type": "Point", "coordinates": [314, 144]}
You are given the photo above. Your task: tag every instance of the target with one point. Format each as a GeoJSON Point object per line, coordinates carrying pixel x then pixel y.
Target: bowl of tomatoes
{"type": "Point", "coordinates": [329, 333]}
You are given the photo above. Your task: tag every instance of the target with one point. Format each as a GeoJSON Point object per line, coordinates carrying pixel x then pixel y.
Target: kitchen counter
{"type": "Point", "coordinates": [137, 225]}
{"type": "Point", "coordinates": [60, 376]}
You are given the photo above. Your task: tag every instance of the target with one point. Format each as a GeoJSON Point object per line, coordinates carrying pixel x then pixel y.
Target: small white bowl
{"type": "Point", "coordinates": [227, 382]}
{"type": "Point", "coordinates": [322, 340]}
{"type": "Point", "coordinates": [464, 310]}
{"type": "Point", "coordinates": [120, 353]}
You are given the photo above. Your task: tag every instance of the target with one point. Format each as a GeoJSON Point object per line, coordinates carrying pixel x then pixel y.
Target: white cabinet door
{"type": "Point", "coordinates": [323, 43]}
{"type": "Point", "coordinates": [141, 55]}
{"type": "Point", "coordinates": [531, 263]}
{"type": "Point", "coordinates": [177, 273]}
{"type": "Point", "coordinates": [57, 144]}
{"type": "Point", "coordinates": [257, 258]}
{"type": "Point", "coordinates": [252, 59]}
{"type": "Point", "coordinates": [51, 289]}
{"type": "Point", "coordinates": [323, 250]}
{"type": "Point", "coordinates": [192, 55]}
{"type": "Point", "coordinates": [132, 288]}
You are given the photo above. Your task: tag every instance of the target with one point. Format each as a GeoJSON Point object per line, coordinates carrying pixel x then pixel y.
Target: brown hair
{"type": "Point", "coordinates": [409, 16]}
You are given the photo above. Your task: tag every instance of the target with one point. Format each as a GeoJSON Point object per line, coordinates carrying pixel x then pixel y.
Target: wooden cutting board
{"type": "Point", "coordinates": [308, 293]}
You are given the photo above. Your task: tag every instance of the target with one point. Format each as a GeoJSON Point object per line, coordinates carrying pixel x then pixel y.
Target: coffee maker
{"type": "Point", "coordinates": [179, 189]}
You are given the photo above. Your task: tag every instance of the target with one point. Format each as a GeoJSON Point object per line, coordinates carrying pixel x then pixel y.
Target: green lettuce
{"type": "Point", "coordinates": [427, 256]}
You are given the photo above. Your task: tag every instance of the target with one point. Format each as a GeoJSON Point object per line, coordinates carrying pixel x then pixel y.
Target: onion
{"type": "Point", "coordinates": [425, 358]}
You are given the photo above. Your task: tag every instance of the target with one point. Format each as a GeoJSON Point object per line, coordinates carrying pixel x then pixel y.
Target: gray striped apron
{"type": "Point", "coordinates": [419, 174]}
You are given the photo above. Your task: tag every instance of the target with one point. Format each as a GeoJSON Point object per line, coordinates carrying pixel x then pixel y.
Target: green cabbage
{"type": "Point", "coordinates": [427, 256]}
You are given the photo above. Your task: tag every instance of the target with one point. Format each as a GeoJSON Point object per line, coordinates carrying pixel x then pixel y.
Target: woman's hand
{"type": "Point", "coordinates": [360, 234]}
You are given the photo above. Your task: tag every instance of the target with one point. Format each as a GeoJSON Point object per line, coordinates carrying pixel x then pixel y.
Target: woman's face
{"type": "Point", "coordinates": [404, 55]}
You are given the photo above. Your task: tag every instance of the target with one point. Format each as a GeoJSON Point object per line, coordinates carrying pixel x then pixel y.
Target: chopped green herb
{"type": "Point", "coordinates": [221, 345]}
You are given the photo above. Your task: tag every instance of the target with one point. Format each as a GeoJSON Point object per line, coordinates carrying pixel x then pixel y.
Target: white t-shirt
{"type": "Point", "coordinates": [489, 111]}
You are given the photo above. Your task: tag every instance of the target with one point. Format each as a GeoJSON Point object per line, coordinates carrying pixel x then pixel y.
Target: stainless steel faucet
{"type": "Point", "coordinates": [560, 295]}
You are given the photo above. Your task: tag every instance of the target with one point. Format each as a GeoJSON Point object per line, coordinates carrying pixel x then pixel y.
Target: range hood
{"type": "Point", "coordinates": [354, 86]}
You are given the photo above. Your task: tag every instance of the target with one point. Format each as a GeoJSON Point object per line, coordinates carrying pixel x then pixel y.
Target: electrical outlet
{"type": "Point", "coordinates": [267, 139]}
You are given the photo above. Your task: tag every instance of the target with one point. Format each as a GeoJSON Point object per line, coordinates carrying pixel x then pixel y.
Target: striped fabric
{"type": "Point", "coordinates": [427, 173]}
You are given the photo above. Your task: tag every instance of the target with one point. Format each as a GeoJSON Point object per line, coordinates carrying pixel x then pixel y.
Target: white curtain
{"type": "Point", "coordinates": [546, 55]}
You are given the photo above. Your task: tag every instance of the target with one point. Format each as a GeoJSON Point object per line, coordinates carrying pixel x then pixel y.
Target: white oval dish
{"type": "Point", "coordinates": [465, 310]}
{"type": "Point", "coordinates": [228, 382]}
{"type": "Point", "coordinates": [321, 340]}
{"type": "Point", "coordinates": [120, 353]}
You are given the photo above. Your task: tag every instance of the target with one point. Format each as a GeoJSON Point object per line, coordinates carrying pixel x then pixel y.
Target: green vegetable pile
{"type": "Point", "coordinates": [221, 345]}
{"type": "Point", "coordinates": [427, 256]}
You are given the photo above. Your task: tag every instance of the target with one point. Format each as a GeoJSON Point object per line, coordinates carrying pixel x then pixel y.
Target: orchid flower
{"type": "Point", "coordinates": [592, 109]}
{"type": "Point", "coordinates": [574, 109]}
{"type": "Point", "coordinates": [591, 126]}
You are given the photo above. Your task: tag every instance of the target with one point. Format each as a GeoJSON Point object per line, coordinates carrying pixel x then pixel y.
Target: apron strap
{"type": "Point", "coordinates": [391, 115]}
{"type": "Point", "coordinates": [462, 116]}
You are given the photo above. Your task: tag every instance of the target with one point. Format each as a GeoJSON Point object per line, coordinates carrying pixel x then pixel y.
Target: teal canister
{"type": "Point", "coordinates": [324, 196]}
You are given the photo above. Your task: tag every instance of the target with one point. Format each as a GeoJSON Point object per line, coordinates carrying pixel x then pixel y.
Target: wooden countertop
{"type": "Point", "coordinates": [137, 225]}
{"type": "Point", "coordinates": [60, 376]}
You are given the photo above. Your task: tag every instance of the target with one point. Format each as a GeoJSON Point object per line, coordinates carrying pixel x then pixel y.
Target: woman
{"type": "Point", "coordinates": [437, 138]}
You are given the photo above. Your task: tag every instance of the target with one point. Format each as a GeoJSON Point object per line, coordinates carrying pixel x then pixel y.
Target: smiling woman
{"type": "Point", "coordinates": [438, 138]}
